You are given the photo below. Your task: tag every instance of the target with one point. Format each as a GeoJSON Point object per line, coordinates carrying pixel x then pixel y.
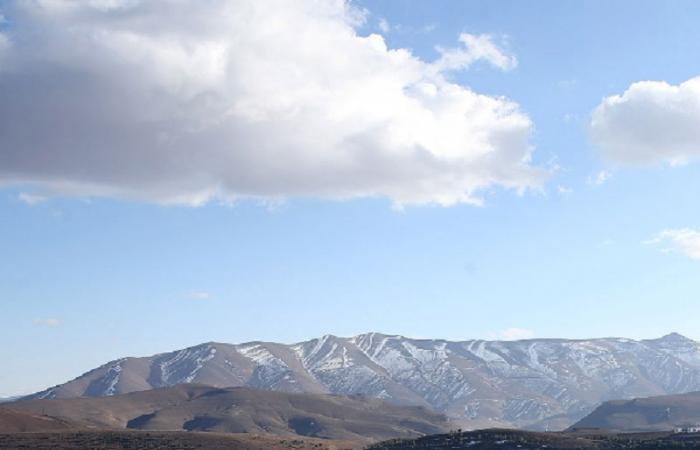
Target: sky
{"type": "Point", "coordinates": [193, 171]}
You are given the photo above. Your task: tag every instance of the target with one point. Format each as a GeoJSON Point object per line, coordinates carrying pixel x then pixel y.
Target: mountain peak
{"type": "Point", "coordinates": [674, 337]}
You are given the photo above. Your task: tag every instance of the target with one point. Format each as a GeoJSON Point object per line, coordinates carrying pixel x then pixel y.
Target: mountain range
{"type": "Point", "coordinates": [535, 383]}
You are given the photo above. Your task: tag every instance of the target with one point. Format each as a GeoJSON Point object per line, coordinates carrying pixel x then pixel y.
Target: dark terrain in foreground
{"type": "Point", "coordinates": [162, 440]}
{"type": "Point", "coordinates": [472, 440]}
{"type": "Point", "coordinates": [515, 439]}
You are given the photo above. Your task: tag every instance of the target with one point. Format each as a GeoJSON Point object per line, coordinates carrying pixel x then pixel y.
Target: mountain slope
{"type": "Point", "coordinates": [20, 422]}
{"type": "Point", "coordinates": [243, 410]}
{"type": "Point", "coordinates": [531, 383]}
{"type": "Point", "coordinates": [645, 414]}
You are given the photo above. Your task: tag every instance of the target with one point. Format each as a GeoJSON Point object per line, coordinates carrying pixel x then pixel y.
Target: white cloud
{"type": "Point", "coordinates": [383, 25]}
{"type": "Point", "coordinates": [564, 190]}
{"type": "Point", "coordinates": [599, 178]}
{"type": "Point", "coordinates": [199, 295]}
{"type": "Point", "coordinates": [651, 122]}
{"type": "Point", "coordinates": [47, 322]}
{"type": "Point", "coordinates": [189, 101]}
{"type": "Point", "coordinates": [31, 199]}
{"type": "Point", "coordinates": [513, 334]}
{"type": "Point", "coordinates": [475, 48]}
{"type": "Point", "coordinates": [683, 240]}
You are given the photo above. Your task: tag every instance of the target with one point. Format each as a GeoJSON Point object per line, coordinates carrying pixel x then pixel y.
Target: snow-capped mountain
{"type": "Point", "coordinates": [530, 383]}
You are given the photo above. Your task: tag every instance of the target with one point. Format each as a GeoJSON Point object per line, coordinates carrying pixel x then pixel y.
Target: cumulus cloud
{"type": "Point", "coordinates": [651, 122]}
{"type": "Point", "coordinates": [190, 100]}
{"type": "Point", "coordinates": [474, 48]}
{"type": "Point", "coordinates": [682, 240]}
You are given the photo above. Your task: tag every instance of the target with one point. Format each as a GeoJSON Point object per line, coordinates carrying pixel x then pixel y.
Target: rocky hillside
{"type": "Point", "coordinates": [538, 383]}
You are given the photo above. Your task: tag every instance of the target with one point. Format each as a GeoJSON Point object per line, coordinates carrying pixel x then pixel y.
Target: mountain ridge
{"type": "Point", "coordinates": [537, 383]}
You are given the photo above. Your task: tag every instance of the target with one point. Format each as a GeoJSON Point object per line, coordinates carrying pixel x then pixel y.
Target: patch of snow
{"type": "Point", "coordinates": [260, 355]}
{"type": "Point", "coordinates": [425, 356]}
{"type": "Point", "coordinates": [48, 394]}
{"type": "Point", "coordinates": [112, 378]}
{"type": "Point", "coordinates": [480, 350]}
{"type": "Point", "coordinates": [191, 359]}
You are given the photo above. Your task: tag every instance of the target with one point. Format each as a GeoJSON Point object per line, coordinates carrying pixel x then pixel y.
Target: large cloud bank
{"type": "Point", "coordinates": [652, 122]}
{"type": "Point", "coordinates": [185, 101]}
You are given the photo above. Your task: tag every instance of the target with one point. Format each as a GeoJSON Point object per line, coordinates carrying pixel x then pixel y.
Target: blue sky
{"type": "Point", "coordinates": [89, 275]}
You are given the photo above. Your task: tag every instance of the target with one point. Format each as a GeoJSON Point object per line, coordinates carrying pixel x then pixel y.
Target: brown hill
{"type": "Point", "coordinates": [645, 414]}
{"type": "Point", "coordinates": [18, 422]}
{"type": "Point", "coordinates": [244, 410]}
